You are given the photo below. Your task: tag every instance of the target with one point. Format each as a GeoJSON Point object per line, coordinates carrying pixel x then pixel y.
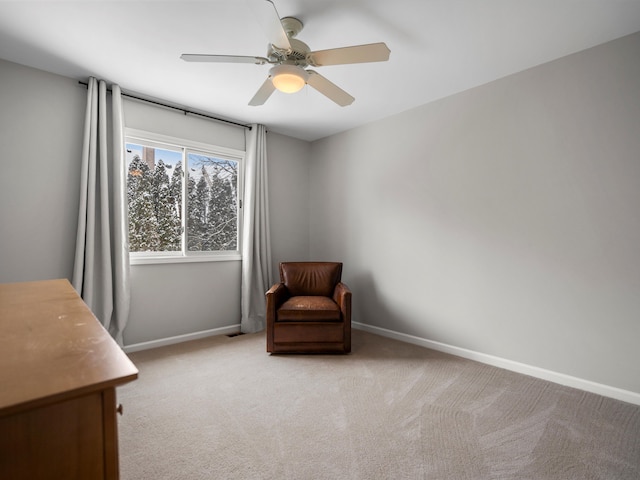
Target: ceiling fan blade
{"type": "Point", "coordinates": [328, 89]}
{"type": "Point", "coordinates": [373, 52]}
{"type": "Point", "coordinates": [191, 57]}
{"type": "Point", "coordinates": [269, 20]}
{"type": "Point", "coordinates": [263, 93]}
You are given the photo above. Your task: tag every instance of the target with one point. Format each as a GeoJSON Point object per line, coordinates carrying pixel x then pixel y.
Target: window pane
{"type": "Point", "coordinates": [154, 191]}
{"type": "Point", "coordinates": [212, 204]}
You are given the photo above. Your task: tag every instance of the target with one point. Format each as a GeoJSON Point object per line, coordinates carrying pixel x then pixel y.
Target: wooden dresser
{"type": "Point", "coordinates": [59, 369]}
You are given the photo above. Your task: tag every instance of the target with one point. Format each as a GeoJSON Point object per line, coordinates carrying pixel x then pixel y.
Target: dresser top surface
{"type": "Point", "coordinates": [53, 347]}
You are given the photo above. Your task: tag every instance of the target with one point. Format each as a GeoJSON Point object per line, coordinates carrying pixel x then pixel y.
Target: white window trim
{"type": "Point", "coordinates": [143, 258]}
{"type": "Point", "coordinates": [148, 258]}
{"type": "Point", "coordinates": [183, 142]}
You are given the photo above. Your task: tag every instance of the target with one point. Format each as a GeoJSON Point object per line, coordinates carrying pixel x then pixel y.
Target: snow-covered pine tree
{"type": "Point", "coordinates": [166, 215]}
{"type": "Point", "coordinates": [143, 224]}
{"type": "Point", "coordinates": [222, 218]}
{"type": "Point", "coordinates": [197, 217]}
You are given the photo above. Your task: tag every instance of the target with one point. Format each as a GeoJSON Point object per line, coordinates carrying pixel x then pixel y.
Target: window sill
{"type": "Point", "coordinates": [135, 260]}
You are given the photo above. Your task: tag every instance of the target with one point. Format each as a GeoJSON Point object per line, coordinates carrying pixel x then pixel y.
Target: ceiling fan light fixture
{"type": "Point", "coordinates": [288, 78]}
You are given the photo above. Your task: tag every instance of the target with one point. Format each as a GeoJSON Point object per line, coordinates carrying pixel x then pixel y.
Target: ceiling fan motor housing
{"type": "Point", "coordinates": [297, 55]}
{"type": "Point", "coordinates": [299, 50]}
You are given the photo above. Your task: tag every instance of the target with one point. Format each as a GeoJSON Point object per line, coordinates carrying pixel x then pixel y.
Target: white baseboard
{"type": "Point", "coordinates": [136, 347]}
{"type": "Point", "coordinates": [555, 377]}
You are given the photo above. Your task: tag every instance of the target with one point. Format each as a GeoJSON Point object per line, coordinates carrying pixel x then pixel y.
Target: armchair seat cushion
{"type": "Point", "coordinates": [309, 309]}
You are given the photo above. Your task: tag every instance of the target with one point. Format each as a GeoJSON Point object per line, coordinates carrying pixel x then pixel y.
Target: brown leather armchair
{"type": "Point", "coordinates": [309, 311]}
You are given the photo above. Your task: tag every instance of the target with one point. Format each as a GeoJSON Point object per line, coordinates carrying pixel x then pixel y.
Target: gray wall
{"type": "Point", "coordinates": [502, 220]}
{"type": "Point", "coordinates": [169, 300]}
{"type": "Point", "coordinates": [41, 123]}
{"type": "Point", "coordinates": [288, 198]}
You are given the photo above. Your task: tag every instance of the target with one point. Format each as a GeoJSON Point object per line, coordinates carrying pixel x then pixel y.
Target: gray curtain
{"type": "Point", "coordinates": [256, 242]}
{"type": "Point", "coordinates": [101, 269]}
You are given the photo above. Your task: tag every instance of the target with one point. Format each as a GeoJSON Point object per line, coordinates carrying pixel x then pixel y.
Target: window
{"type": "Point", "coordinates": [183, 199]}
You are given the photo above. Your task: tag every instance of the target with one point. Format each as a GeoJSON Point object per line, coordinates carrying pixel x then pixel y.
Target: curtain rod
{"type": "Point", "coordinates": [186, 112]}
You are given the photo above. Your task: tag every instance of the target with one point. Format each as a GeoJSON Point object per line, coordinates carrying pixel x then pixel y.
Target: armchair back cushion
{"type": "Point", "coordinates": [301, 280]}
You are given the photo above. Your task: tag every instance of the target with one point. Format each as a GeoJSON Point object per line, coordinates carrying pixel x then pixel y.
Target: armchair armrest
{"type": "Point", "coordinates": [276, 296]}
{"type": "Point", "coordinates": [342, 296]}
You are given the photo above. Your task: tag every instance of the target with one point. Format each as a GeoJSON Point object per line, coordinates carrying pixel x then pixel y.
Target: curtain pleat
{"type": "Point", "coordinates": [101, 269]}
{"type": "Point", "coordinates": [122, 289]}
{"type": "Point", "coordinates": [256, 239]}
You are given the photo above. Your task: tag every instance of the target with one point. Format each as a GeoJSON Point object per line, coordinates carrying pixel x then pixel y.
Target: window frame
{"type": "Point", "coordinates": [158, 140]}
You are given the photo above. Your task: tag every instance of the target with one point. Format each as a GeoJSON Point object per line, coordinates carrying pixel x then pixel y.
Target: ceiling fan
{"type": "Point", "coordinates": [291, 57]}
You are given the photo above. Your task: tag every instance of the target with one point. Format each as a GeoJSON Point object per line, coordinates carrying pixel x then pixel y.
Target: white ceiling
{"type": "Point", "coordinates": [438, 48]}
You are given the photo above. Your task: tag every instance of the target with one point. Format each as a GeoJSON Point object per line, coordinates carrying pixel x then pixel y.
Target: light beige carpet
{"type": "Point", "coordinates": [222, 408]}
